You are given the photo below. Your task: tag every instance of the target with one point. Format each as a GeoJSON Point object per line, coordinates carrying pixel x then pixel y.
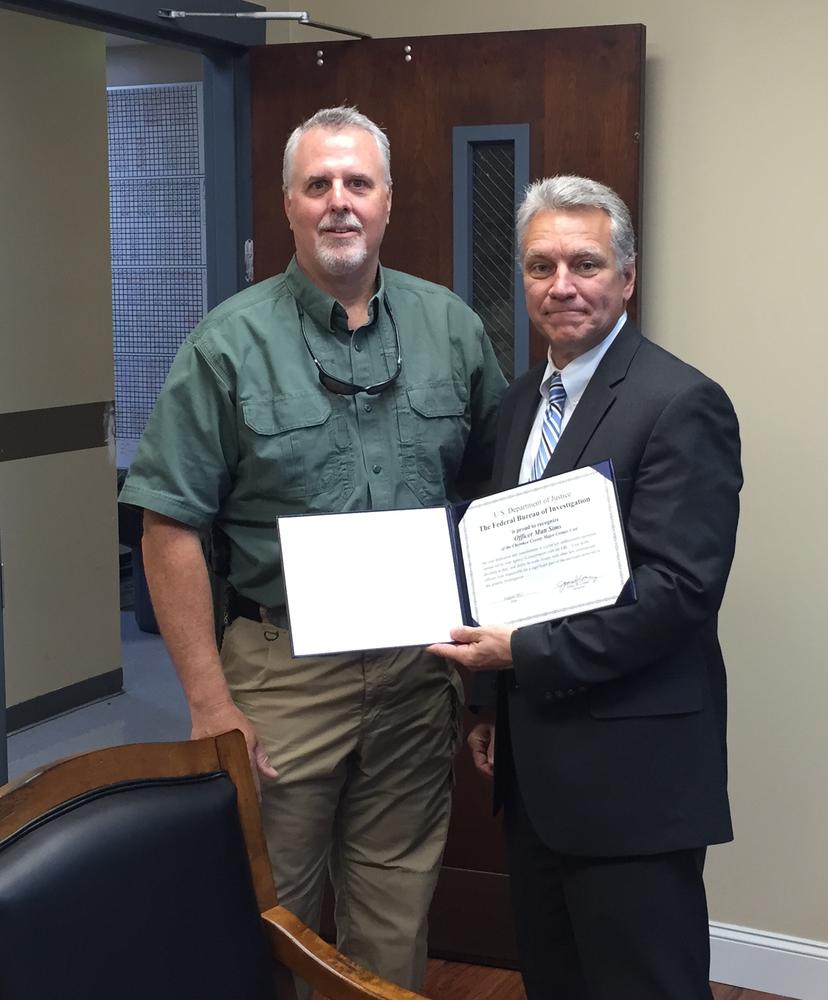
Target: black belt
{"type": "Point", "coordinates": [244, 607]}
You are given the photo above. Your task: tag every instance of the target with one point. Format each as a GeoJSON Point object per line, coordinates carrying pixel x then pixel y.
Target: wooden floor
{"type": "Point", "coordinates": [454, 981]}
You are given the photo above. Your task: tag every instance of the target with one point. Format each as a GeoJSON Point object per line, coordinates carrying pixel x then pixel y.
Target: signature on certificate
{"type": "Point", "coordinates": [577, 582]}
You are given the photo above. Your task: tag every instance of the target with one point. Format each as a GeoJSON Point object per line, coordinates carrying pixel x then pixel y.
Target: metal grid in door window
{"type": "Point", "coordinates": [157, 229]}
{"type": "Point", "coordinates": [490, 172]}
{"type": "Point", "coordinates": [155, 131]}
{"type": "Point", "coordinates": [157, 221]}
{"type": "Point", "coordinates": [155, 309]}
{"type": "Point", "coordinates": [493, 245]}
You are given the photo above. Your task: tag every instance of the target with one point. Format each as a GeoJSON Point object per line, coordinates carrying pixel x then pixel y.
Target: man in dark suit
{"type": "Point", "coordinates": [611, 754]}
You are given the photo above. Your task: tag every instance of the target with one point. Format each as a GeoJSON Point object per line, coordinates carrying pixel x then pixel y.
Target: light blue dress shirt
{"type": "Point", "coordinates": [575, 377]}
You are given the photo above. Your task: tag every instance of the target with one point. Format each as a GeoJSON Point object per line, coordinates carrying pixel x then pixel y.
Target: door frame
{"type": "Point", "coordinates": [223, 44]}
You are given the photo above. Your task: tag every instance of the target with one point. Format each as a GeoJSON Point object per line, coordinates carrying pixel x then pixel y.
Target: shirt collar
{"type": "Point", "coordinates": [580, 370]}
{"type": "Point", "coordinates": [325, 311]}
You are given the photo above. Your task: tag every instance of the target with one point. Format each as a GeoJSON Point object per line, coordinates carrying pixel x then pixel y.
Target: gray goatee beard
{"type": "Point", "coordinates": [342, 260]}
{"type": "Point", "coordinates": [340, 256]}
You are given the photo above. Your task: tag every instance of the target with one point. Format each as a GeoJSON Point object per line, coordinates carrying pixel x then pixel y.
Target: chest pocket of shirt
{"type": "Point", "coordinates": [440, 429]}
{"type": "Point", "coordinates": [296, 446]}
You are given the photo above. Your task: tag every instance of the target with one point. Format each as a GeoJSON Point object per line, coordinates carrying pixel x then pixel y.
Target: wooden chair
{"type": "Point", "coordinates": [141, 873]}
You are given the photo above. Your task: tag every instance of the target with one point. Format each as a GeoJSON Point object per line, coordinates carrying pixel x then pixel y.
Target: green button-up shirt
{"type": "Point", "coordinates": [243, 431]}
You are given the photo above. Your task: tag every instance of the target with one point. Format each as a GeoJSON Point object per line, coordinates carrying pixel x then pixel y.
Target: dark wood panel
{"type": "Point", "coordinates": [594, 106]}
{"type": "Point", "coordinates": [580, 92]}
{"type": "Point", "coordinates": [579, 89]}
{"type": "Point", "coordinates": [418, 103]}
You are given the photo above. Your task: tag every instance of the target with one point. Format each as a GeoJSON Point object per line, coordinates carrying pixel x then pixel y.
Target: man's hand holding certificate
{"type": "Point", "coordinates": [476, 648]}
{"type": "Point", "coordinates": [375, 579]}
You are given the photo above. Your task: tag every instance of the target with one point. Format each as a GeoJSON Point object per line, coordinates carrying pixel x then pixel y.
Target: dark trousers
{"type": "Point", "coordinates": [627, 928]}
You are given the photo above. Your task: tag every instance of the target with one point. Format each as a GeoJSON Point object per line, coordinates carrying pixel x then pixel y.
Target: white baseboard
{"type": "Point", "coordinates": [772, 963]}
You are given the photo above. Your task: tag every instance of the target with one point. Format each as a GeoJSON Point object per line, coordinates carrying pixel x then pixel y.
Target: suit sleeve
{"type": "Point", "coordinates": [681, 533]}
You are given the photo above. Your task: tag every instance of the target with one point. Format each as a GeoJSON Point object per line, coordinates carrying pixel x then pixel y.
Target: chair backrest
{"type": "Point", "coordinates": [136, 873]}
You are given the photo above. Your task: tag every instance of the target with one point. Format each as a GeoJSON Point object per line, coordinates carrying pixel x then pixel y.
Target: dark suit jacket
{"type": "Point", "coordinates": [616, 718]}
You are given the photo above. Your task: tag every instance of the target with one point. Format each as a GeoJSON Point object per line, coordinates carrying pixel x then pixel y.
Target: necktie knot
{"type": "Point", "coordinates": [557, 393]}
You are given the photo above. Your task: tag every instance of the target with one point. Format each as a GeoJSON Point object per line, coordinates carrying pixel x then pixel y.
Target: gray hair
{"type": "Point", "coordinates": [553, 194]}
{"type": "Point", "coordinates": [335, 120]}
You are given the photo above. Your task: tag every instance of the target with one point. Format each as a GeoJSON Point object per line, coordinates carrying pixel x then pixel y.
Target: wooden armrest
{"type": "Point", "coordinates": [331, 973]}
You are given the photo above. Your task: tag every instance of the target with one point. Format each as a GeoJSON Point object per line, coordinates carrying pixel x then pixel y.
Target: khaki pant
{"type": "Point", "coordinates": [363, 743]}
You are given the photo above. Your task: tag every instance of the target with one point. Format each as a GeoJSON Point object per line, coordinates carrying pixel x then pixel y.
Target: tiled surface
{"type": "Point", "coordinates": [159, 278]}
{"type": "Point", "coordinates": [154, 130]}
{"type": "Point", "coordinates": [157, 222]}
{"type": "Point", "coordinates": [152, 708]}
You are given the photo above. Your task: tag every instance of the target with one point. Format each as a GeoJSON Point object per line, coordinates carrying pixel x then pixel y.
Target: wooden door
{"type": "Point", "coordinates": [580, 92]}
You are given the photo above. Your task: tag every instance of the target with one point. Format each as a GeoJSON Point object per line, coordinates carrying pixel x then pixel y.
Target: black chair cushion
{"type": "Point", "coordinates": [138, 891]}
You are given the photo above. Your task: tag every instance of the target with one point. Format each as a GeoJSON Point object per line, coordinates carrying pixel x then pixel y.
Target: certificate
{"type": "Point", "coordinates": [545, 550]}
{"type": "Point", "coordinates": [378, 579]}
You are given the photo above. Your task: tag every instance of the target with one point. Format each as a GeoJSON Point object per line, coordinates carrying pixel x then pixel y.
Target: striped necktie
{"type": "Point", "coordinates": [551, 430]}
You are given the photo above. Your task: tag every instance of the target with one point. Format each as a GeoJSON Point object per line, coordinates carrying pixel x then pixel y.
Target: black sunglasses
{"type": "Point", "coordinates": [341, 386]}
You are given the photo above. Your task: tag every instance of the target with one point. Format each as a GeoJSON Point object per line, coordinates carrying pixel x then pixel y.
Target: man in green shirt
{"type": "Point", "coordinates": [338, 385]}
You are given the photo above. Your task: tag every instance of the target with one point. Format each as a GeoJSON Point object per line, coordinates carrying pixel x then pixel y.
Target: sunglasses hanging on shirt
{"type": "Point", "coordinates": [341, 386]}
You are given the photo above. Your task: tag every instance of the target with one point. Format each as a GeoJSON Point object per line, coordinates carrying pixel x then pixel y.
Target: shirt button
{"type": "Point", "coordinates": [376, 468]}
{"type": "Point", "coordinates": [368, 407]}
{"type": "Point", "coordinates": [357, 347]}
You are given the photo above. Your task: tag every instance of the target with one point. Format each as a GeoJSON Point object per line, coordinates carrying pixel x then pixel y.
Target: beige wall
{"type": "Point", "coordinates": [54, 237]}
{"type": "Point", "coordinates": [736, 155]}
{"type": "Point", "coordinates": [57, 513]}
{"type": "Point", "coordinates": [735, 143]}
{"type": "Point", "coordinates": [61, 571]}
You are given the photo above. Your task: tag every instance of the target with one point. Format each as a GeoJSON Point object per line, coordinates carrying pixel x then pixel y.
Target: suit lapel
{"type": "Point", "coordinates": [526, 406]}
{"type": "Point", "coordinates": [596, 401]}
